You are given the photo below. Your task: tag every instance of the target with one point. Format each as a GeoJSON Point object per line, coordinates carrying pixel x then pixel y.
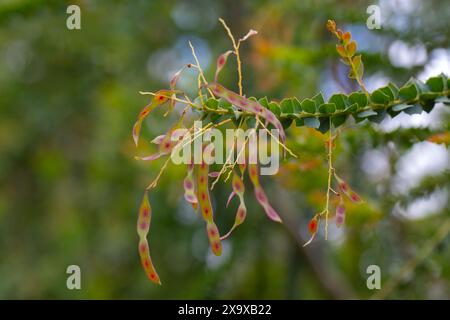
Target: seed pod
{"type": "Point", "coordinates": [340, 212]}
{"type": "Point", "coordinates": [173, 83]}
{"type": "Point", "coordinates": [239, 189]}
{"type": "Point", "coordinates": [248, 106]}
{"type": "Point", "coordinates": [143, 226]}
{"type": "Point", "coordinates": [261, 195]}
{"type": "Point", "coordinates": [206, 208]}
{"type": "Point", "coordinates": [313, 226]}
{"type": "Point", "coordinates": [189, 190]}
{"type": "Point", "coordinates": [160, 97]}
{"type": "Point", "coordinates": [214, 238]}
{"type": "Point", "coordinates": [345, 188]}
{"type": "Point", "coordinates": [221, 61]}
{"type": "Point", "coordinates": [166, 142]}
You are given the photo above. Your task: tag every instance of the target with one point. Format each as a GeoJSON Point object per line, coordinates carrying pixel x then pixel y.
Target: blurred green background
{"type": "Point", "coordinates": [70, 187]}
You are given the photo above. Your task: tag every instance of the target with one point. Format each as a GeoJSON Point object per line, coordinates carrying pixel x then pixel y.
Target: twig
{"type": "Point", "coordinates": [236, 52]}
{"type": "Point", "coordinates": [199, 68]}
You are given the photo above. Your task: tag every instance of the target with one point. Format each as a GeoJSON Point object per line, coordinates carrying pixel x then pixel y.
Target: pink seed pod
{"type": "Point", "coordinates": [206, 208]}
{"type": "Point", "coordinates": [144, 217]}
{"type": "Point", "coordinates": [188, 184]}
{"type": "Point", "coordinates": [221, 61]}
{"type": "Point", "coordinates": [203, 192]}
{"type": "Point", "coordinates": [261, 195]}
{"type": "Point", "coordinates": [213, 174]}
{"type": "Point", "coordinates": [143, 226]}
{"type": "Point", "coordinates": [173, 83]}
{"type": "Point", "coordinates": [144, 253]}
{"type": "Point", "coordinates": [160, 97]}
{"type": "Point", "coordinates": [345, 188]}
{"type": "Point", "coordinates": [231, 196]}
{"type": "Point", "coordinates": [239, 189]}
{"type": "Point", "coordinates": [158, 139]}
{"type": "Point", "coordinates": [214, 238]}
{"type": "Point", "coordinates": [340, 212]}
{"type": "Point", "coordinates": [248, 106]}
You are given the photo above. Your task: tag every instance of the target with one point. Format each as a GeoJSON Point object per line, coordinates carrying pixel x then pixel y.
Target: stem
{"type": "Point", "coordinates": [330, 173]}
{"type": "Point", "coordinates": [200, 71]}
{"type": "Point", "coordinates": [358, 78]}
{"type": "Point", "coordinates": [302, 114]}
{"type": "Point", "coordinates": [236, 52]}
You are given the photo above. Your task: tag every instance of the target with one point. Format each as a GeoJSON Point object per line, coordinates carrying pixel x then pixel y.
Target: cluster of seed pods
{"type": "Point", "coordinates": [196, 186]}
{"type": "Point", "coordinates": [340, 210]}
{"type": "Point", "coordinates": [345, 188]}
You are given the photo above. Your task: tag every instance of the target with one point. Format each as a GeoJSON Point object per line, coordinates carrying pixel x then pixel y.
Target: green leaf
{"type": "Point", "coordinates": [327, 108]}
{"type": "Point", "coordinates": [286, 122]}
{"type": "Point", "coordinates": [359, 66]}
{"type": "Point", "coordinates": [428, 96]}
{"type": "Point", "coordinates": [401, 107]}
{"type": "Point", "coordinates": [366, 114]}
{"type": "Point", "coordinates": [308, 106]}
{"type": "Point", "coordinates": [338, 120]}
{"type": "Point", "coordinates": [379, 97]}
{"type": "Point", "coordinates": [299, 122]}
{"type": "Point", "coordinates": [312, 122]}
{"type": "Point", "coordinates": [215, 117]}
{"type": "Point", "coordinates": [416, 109]}
{"type": "Point", "coordinates": [426, 100]}
{"type": "Point", "coordinates": [380, 115]}
{"type": "Point", "coordinates": [324, 124]}
{"type": "Point", "coordinates": [339, 100]}
{"type": "Point", "coordinates": [359, 98]}
{"type": "Point", "coordinates": [224, 104]}
{"type": "Point", "coordinates": [388, 92]}
{"type": "Point", "coordinates": [264, 102]}
{"type": "Point", "coordinates": [275, 108]}
{"type": "Point", "coordinates": [408, 93]}
{"type": "Point", "coordinates": [212, 103]}
{"type": "Point", "coordinates": [352, 108]}
{"type": "Point", "coordinates": [421, 87]}
{"type": "Point", "coordinates": [394, 89]}
{"type": "Point", "coordinates": [318, 99]}
{"type": "Point", "coordinates": [436, 84]}
{"type": "Point", "coordinates": [297, 105]}
{"type": "Point", "coordinates": [287, 106]}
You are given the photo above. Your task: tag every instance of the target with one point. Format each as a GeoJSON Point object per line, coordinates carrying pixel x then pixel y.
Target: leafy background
{"type": "Point", "coordinates": [70, 188]}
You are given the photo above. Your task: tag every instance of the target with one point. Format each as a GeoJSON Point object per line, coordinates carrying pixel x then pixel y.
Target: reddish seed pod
{"type": "Point", "coordinates": [340, 212]}
{"type": "Point", "coordinates": [313, 225]}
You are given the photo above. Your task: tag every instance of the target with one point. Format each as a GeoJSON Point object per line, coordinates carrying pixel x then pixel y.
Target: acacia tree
{"type": "Point", "coordinates": [218, 106]}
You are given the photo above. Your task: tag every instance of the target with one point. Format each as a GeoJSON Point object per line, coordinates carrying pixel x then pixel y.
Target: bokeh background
{"type": "Point", "coordinates": [70, 187]}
